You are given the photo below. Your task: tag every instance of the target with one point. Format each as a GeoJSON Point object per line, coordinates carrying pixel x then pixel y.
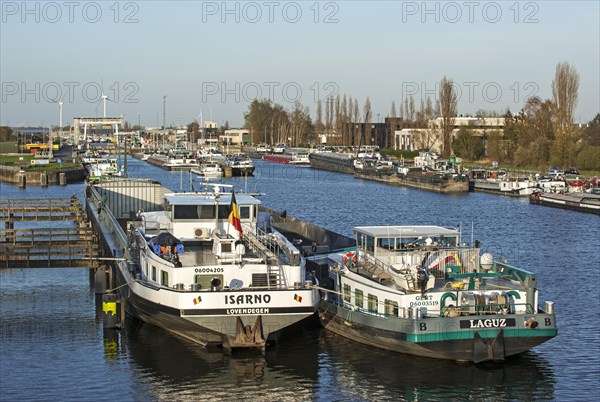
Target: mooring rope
{"type": "Point", "coordinates": [119, 287]}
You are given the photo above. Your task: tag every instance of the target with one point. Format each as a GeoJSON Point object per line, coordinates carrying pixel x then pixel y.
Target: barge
{"type": "Point", "coordinates": [207, 266]}
{"type": "Point", "coordinates": [419, 290]}
{"type": "Point", "coordinates": [430, 181]}
{"type": "Point", "coordinates": [335, 162]}
{"type": "Point", "coordinates": [583, 202]}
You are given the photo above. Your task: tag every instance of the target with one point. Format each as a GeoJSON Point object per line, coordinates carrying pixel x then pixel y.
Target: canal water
{"type": "Point", "coordinates": [53, 347]}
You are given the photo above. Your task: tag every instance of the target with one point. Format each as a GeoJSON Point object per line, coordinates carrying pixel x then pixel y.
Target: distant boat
{"type": "Point", "coordinates": [292, 158]}
{"type": "Point", "coordinates": [579, 201]}
{"type": "Point", "coordinates": [103, 168]}
{"type": "Point", "coordinates": [208, 169]}
{"type": "Point", "coordinates": [240, 165]}
{"type": "Point", "coordinates": [175, 163]}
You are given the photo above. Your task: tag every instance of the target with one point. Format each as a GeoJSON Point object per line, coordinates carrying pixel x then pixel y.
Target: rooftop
{"type": "Point", "coordinates": [406, 231]}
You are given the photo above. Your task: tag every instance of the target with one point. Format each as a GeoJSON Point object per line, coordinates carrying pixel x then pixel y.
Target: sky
{"type": "Point", "coordinates": [212, 58]}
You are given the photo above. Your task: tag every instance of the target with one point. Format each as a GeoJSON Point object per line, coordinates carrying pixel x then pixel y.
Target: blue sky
{"type": "Point", "coordinates": [214, 57]}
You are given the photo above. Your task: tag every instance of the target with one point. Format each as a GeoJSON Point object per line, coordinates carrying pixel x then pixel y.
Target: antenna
{"type": "Point", "coordinates": [472, 230]}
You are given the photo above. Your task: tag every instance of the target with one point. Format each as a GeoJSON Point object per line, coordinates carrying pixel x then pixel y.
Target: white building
{"type": "Point", "coordinates": [412, 139]}
{"type": "Point", "coordinates": [235, 136]}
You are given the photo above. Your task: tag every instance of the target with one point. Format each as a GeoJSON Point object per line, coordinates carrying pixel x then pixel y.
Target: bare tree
{"type": "Point", "coordinates": [425, 138]}
{"type": "Point", "coordinates": [367, 125]}
{"type": "Point", "coordinates": [448, 102]}
{"type": "Point", "coordinates": [411, 115]}
{"type": "Point", "coordinates": [391, 138]}
{"type": "Point", "coordinates": [565, 87]}
{"type": "Point", "coordinates": [356, 121]}
{"type": "Point", "coordinates": [344, 119]}
{"type": "Point", "coordinates": [319, 120]}
{"type": "Point", "coordinates": [338, 119]}
{"type": "Point", "coordinates": [328, 115]}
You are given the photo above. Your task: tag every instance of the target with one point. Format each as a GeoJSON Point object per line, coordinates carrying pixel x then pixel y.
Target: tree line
{"type": "Point", "coordinates": [541, 133]}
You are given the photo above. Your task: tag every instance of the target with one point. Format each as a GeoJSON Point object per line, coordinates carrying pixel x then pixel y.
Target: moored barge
{"type": "Point", "coordinates": [207, 266]}
{"type": "Point", "coordinates": [419, 290]}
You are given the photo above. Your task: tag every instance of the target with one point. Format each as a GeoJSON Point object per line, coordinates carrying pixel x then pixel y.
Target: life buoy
{"type": "Point", "coordinates": [349, 257]}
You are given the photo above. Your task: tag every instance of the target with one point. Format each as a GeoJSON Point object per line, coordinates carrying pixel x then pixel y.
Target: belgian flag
{"type": "Point", "coordinates": [234, 215]}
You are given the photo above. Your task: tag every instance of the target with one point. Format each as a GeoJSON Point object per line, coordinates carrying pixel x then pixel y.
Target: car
{"type": "Point", "coordinates": [262, 148]}
{"type": "Point", "coordinates": [555, 171]}
{"type": "Point", "coordinates": [279, 149]}
{"type": "Point", "coordinates": [571, 171]}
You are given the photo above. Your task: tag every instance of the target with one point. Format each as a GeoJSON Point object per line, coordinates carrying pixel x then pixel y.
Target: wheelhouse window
{"type": "Point", "coordinates": [372, 301]}
{"type": "Point", "coordinates": [190, 212]}
{"type": "Point", "coordinates": [358, 298]}
{"type": "Point", "coordinates": [224, 211]}
{"type": "Point", "coordinates": [154, 273]}
{"type": "Point", "coordinates": [245, 212]}
{"type": "Point", "coordinates": [185, 212]}
{"type": "Point", "coordinates": [164, 278]}
{"type": "Point", "coordinates": [386, 243]}
{"type": "Point", "coordinates": [206, 211]}
{"type": "Point", "coordinates": [367, 243]}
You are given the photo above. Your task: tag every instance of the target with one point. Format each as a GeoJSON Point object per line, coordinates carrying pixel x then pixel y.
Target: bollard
{"type": "Point", "coordinates": [44, 179]}
{"type": "Point", "coordinates": [62, 179]}
{"type": "Point", "coordinates": [100, 279]}
{"type": "Point", "coordinates": [110, 311]}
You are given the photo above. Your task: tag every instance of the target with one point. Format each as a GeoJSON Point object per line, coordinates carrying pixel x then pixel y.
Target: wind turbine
{"type": "Point", "coordinates": [103, 97]}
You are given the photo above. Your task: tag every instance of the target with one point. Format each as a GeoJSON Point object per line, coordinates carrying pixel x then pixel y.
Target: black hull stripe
{"type": "Point", "coordinates": [240, 311]}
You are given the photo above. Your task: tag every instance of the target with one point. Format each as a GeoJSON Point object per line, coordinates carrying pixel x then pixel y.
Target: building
{"type": "Point", "coordinates": [235, 136]}
{"type": "Point", "coordinates": [430, 138]}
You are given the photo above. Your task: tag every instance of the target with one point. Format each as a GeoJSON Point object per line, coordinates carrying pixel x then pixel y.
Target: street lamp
{"type": "Point", "coordinates": [60, 124]}
{"type": "Point", "coordinates": [164, 119]}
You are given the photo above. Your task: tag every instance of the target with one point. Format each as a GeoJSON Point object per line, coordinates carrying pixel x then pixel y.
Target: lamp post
{"type": "Point", "coordinates": [60, 105]}
{"type": "Point", "coordinates": [164, 119]}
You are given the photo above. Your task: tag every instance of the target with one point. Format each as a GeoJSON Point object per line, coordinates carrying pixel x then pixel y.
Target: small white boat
{"type": "Point", "coordinates": [240, 165]}
{"type": "Point", "coordinates": [104, 168]}
{"type": "Point", "coordinates": [208, 169]}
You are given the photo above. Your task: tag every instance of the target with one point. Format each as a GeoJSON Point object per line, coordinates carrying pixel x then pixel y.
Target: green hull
{"type": "Point", "coordinates": [474, 338]}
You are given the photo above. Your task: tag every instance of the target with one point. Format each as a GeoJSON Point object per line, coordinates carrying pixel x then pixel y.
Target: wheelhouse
{"type": "Point", "coordinates": [198, 216]}
{"type": "Point", "coordinates": [384, 241]}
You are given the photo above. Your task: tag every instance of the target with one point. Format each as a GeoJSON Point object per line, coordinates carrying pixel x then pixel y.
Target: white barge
{"type": "Point", "coordinates": [204, 266]}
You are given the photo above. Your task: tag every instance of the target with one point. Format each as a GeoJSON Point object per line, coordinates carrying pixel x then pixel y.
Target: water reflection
{"type": "Point", "coordinates": [316, 366]}
{"type": "Point", "coordinates": [362, 372]}
{"type": "Point", "coordinates": [173, 368]}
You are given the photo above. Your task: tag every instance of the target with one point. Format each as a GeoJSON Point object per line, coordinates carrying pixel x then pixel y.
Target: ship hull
{"type": "Point", "coordinates": [439, 337]}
